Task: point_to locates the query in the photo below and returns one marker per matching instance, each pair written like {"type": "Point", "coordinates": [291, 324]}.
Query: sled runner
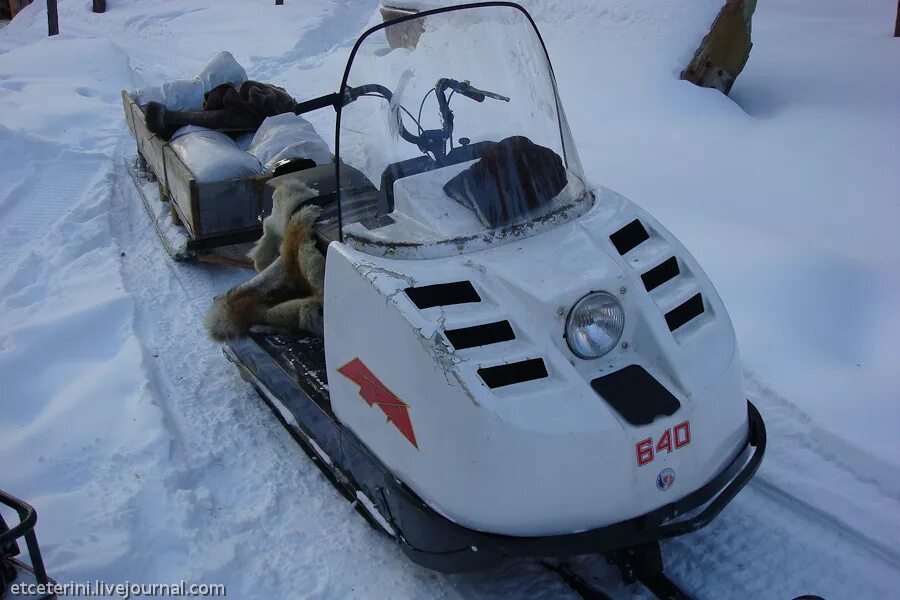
{"type": "Point", "coordinates": [14, 571]}
{"type": "Point", "coordinates": [515, 363]}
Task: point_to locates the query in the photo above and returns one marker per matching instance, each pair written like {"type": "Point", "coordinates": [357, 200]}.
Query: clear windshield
{"type": "Point", "coordinates": [454, 137]}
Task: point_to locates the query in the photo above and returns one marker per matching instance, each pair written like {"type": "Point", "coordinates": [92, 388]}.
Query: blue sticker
{"type": "Point", "coordinates": [665, 479]}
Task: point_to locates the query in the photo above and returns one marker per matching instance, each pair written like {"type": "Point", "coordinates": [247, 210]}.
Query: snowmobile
{"type": "Point", "coordinates": [515, 363]}
{"type": "Point", "coordinates": [18, 579]}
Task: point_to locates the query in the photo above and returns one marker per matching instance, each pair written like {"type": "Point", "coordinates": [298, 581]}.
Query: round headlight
{"type": "Point", "coordinates": [595, 325]}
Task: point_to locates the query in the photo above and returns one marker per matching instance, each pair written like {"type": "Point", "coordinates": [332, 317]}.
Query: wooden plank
{"type": "Point", "coordinates": [149, 145]}
{"type": "Point", "coordinates": [230, 204]}
{"type": "Point", "coordinates": [218, 259]}
{"type": "Point", "coordinates": [897, 22]}
{"type": "Point", "coordinates": [182, 190]}
{"type": "Point", "coordinates": [126, 106]}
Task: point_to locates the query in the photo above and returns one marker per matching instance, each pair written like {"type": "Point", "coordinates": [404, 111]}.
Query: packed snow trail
{"type": "Point", "coordinates": [148, 458]}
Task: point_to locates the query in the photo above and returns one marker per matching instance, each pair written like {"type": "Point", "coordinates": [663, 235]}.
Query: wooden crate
{"type": "Point", "coordinates": [213, 212]}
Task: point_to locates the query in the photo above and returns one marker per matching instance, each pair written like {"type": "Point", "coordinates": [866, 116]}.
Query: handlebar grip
{"type": "Point", "coordinates": [473, 94]}
{"type": "Point", "coordinates": [317, 103]}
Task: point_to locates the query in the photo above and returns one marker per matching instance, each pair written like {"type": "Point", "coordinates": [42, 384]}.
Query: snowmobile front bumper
{"type": "Point", "coordinates": [290, 376]}
{"type": "Point", "coordinates": [694, 511]}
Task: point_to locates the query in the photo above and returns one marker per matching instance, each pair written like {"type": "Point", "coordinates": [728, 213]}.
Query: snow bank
{"type": "Point", "coordinates": [61, 88]}
{"type": "Point", "coordinates": [75, 406]}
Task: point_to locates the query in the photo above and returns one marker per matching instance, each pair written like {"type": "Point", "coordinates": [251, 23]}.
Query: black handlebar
{"type": "Point", "coordinates": [466, 89]}
{"type": "Point", "coordinates": [317, 103]}
{"type": "Point", "coordinates": [433, 140]}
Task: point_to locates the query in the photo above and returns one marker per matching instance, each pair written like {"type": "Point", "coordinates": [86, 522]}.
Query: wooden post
{"type": "Point", "coordinates": [52, 17]}
{"type": "Point", "coordinates": [897, 23]}
{"type": "Point", "coordinates": [279, 2]}
{"type": "Point", "coordinates": [99, 6]}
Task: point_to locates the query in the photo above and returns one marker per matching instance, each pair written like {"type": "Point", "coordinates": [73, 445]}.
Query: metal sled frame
{"type": "Point", "coordinates": [288, 372]}
{"type": "Point", "coordinates": [36, 573]}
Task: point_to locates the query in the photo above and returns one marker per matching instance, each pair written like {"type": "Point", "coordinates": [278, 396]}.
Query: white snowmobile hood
{"type": "Point", "coordinates": [473, 448]}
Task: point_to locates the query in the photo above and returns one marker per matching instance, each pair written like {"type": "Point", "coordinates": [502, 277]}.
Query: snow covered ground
{"type": "Point", "coordinates": [147, 457]}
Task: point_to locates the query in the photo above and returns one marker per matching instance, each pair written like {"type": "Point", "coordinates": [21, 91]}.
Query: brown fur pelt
{"type": "Point", "coordinates": [287, 290]}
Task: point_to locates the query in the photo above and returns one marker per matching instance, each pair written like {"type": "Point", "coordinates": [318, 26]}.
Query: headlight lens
{"type": "Point", "coordinates": [595, 325]}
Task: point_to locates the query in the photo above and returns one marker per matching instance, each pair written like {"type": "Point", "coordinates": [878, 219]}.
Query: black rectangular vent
{"type": "Point", "coordinates": [629, 237]}
{"type": "Point", "coordinates": [636, 395]}
{"type": "Point", "coordinates": [678, 316]}
{"type": "Point", "coordinates": [480, 335]}
{"type": "Point", "coordinates": [518, 372]}
{"type": "Point", "coordinates": [660, 274]}
{"type": "Point", "coordinates": [443, 294]}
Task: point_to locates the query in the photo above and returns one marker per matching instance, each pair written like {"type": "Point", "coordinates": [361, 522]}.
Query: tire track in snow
{"type": "Point", "coordinates": [766, 547]}
{"type": "Point", "coordinates": [32, 207]}
{"type": "Point", "coordinates": [801, 473]}
{"type": "Point", "coordinates": [826, 519]}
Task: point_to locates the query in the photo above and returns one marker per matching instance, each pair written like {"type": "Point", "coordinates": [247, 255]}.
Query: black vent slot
{"type": "Point", "coordinates": [636, 395]}
{"type": "Point", "coordinates": [501, 375]}
{"type": "Point", "coordinates": [629, 237]}
{"type": "Point", "coordinates": [660, 274]}
{"type": "Point", "coordinates": [443, 294]}
{"type": "Point", "coordinates": [678, 316]}
{"type": "Point", "coordinates": [480, 335]}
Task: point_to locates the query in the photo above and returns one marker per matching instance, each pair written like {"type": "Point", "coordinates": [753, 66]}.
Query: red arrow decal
{"type": "Point", "coordinates": [375, 392]}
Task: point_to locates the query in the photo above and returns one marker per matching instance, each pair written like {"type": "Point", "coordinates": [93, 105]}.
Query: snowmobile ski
{"type": "Point", "coordinates": [657, 584]}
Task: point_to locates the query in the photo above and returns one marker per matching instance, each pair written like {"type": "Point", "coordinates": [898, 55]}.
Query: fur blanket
{"type": "Point", "coordinates": [287, 290]}
{"type": "Point", "coordinates": [225, 107]}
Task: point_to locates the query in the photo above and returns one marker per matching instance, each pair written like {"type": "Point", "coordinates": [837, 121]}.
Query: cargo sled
{"type": "Point", "coordinates": [192, 218]}
{"type": "Point", "coordinates": [515, 363]}
{"type": "Point", "coordinates": [204, 189]}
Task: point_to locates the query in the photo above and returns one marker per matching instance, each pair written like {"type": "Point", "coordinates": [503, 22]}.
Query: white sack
{"type": "Point", "coordinates": [187, 94]}
{"type": "Point", "coordinates": [222, 68]}
{"type": "Point", "coordinates": [244, 140]}
{"type": "Point", "coordinates": [288, 136]}
{"type": "Point", "coordinates": [212, 155]}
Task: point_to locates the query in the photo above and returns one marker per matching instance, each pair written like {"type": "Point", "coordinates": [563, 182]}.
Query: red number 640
{"type": "Point", "coordinates": [672, 439]}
